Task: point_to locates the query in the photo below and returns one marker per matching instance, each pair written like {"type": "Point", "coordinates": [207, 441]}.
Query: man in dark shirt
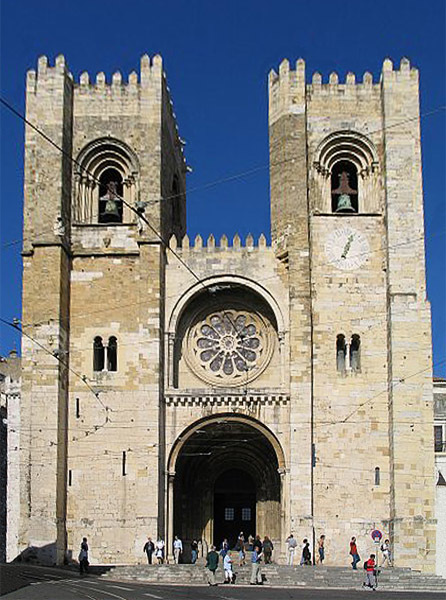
{"type": "Point", "coordinates": [149, 548]}
{"type": "Point", "coordinates": [211, 565]}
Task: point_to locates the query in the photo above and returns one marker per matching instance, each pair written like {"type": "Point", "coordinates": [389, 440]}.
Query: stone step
{"type": "Point", "coordinates": [324, 577]}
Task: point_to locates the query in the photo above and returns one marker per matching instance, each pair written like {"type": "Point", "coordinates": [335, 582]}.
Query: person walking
{"type": "Point", "coordinates": [267, 549]}
{"type": "Point", "coordinates": [306, 553]}
{"type": "Point", "coordinates": [240, 546]}
{"type": "Point", "coordinates": [83, 557]}
{"type": "Point", "coordinates": [370, 567]}
{"type": "Point", "coordinates": [224, 547]}
{"type": "Point", "coordinates": [149, 548]}
{"type": "Point", "coordinates": [258, 542]}
{"type": "Point", "coordinates": [227, 566]}
{"type": "Point", "coordinates": [159, 551]}
{"type": "Point", "coordinates": [194, 551]}
{"type": "Point", "coordinates": [321, 549]}
{"type": "Point", "coordinates": [256, 575]}
{"type": "Point", "coordinates": [387, 555]}
{"type": "Point", "coordinates": [292, 545]}
{"type": "Point", "coordinates": [177, 549]}
{"type": "Point", "coordinates": [354, 553]}
{"type": "Point", "coordinates": [302, 556]}
{"type": "Point", "coordinates": [211, 565]}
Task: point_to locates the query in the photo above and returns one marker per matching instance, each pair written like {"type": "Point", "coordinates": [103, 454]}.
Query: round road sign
{"type": "Point", "coordinates": [376, 535]}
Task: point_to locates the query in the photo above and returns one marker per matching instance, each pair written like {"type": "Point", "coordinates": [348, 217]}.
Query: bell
{"type": "Point", "coordinates": [111, 211]}
{"type": "Point", "coordinates": [344, 204]}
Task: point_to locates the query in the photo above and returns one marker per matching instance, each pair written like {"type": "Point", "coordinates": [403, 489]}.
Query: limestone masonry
{"type": "Point", "coordinates": [203, 388]}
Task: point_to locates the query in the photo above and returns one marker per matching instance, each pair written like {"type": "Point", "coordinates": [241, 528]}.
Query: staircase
{"type": "Point", "coordinates": [395, 579]}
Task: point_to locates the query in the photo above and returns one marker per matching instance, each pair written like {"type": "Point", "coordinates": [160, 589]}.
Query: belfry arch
{"type": "Point", "coordinates": [225, 476]}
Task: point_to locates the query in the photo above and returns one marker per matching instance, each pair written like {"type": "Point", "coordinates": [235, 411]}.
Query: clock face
{"type": "Point", "coordinates": [346, 248]}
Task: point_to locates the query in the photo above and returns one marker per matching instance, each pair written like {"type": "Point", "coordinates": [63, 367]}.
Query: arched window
{"type": "Point", "coordinates": [100, 164]}
{"type": "Point", "coordinates": [112, 354]}
{"type": "Point", "coordinates": [377, 476]}
{"type": "Point", "coordinates": [355, 353]}
{"type": "Point", "coordinates": [98, 354]}
{"type": "Point", "coordinates": [341, 351]}
{"type": "Point", "coordinates": [344, 187]}
{"type": "Point", "coordinates": [110, 194]}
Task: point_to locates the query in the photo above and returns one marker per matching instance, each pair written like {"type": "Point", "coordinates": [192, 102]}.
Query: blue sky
{"type": "Point", "coordinates": [217, 56]}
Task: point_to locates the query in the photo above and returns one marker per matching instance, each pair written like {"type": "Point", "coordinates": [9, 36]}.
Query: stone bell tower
{"type": "Point", "coordinates": [347, 218]}
{"type": "Point", "coordinates": [87, 253]}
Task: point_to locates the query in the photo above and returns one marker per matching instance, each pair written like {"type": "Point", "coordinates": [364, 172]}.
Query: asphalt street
{"type": "Point", "coordinates": [39, 583]}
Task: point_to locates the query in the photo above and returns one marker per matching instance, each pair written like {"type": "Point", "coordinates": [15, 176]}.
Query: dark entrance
{"type": "Point", "coordinates": [234, 506]}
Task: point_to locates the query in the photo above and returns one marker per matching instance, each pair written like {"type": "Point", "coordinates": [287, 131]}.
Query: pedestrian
{"type": "Point", "coordinates": [258, 542]}
{"type": "Point", "coordinates": [256, 575]}
{"type": "Point", "coordinates": [354, 553]}
{"type": "Point", "coordinates": [211, 565]}
{"type": "Point", "coordinates": [267, 550]}
{"type": "Point", "coordinates": [302, 556]}
{"type": "Point", "coordinates": [159, 551]}
{"type": "Point", "coordinates": [387, 555]}
{"type": "Point", "coordinates": [177, 549]}
{"type": "Point", "coordinates": [149, 548]}
{"type": "Point", "coordinates": [370, 566]}
{"type": "Point", "coordinates": [227, 566]}
{"type": "Point", "coordinates": [83, 557]}
{"type": "Point", "coordinates": [194, 551]}
{"type": "Point", "coordinates": [240, 546]}
{"type": "Point", "coordinates": [250, 543]}
{"type": "Point", "coordinates": [321, 549]}
{"type": "Point", "coordinates": [292, 544]}
{"type": "Point", "coordinates": [306, 554]}
{"type": "Point", "coordinates": [224, 547]}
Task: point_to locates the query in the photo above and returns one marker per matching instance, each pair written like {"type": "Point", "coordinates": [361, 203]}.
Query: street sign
{"type": "Point", "coordinates": [376, 536]}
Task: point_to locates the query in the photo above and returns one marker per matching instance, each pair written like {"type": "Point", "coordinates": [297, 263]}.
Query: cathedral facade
{"type": "Point", "coordinates": [175, 386]}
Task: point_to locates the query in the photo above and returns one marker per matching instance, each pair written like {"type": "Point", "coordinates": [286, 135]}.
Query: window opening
{"type": "Point", "coordinates": [229, 514]}
{"type": "Point", "coordinates": [110, 192]}
{"type": "Point", "coordinates": [70, 477]}
{"type": "Point", "coordinates": [112, 354]}
{"type": "Point", "coordinates": [355, 353]}
{"type": "Point", "coordinates": [98, 354]}
{"type": "Point", "coordinates": [78, 411]}
{"type": "Point", "coordinates": [344, 187]}
{"type": "Point", "coordinates": [377, 476]}
{"type": "Point", "coordinates": [440, 438]}
{"type": "Point", "coordinates": [341, 351]}
{"type": "Point", "coordinates": [246, 514]}
{"type": "Point", "coordinates": [176, 203]}
{"type": "Point", "coordinates": [124, 463]}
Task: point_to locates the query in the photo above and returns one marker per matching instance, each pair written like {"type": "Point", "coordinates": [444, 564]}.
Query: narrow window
{"type": "Point", "coordinates": [176, 203]}
{"type": "Point", "coordinates": [355, 353]}
{"type": "Point", "coordinates": [344, 187]}
{"type": "Point", "coordinates": [124, 463]}
{"type": "Point", "coordinates": [246, 514]}
{"type": "Point", "coordinates": [98, 354]}
{"type": "Point", "coordinates": [110, 194]}
{"type": "Point", "coordinates": [341, 350]}
{"type": "Point", "coordinates": [70, 477]}
{"type": "Point", "coordinates": [78, 410]}
{"type": "Point", "coordinates": [112, 354]}
{"type": "Point", "coordinates": [440, 445]}
{"type": "Point", "coordinates": [377, 476]}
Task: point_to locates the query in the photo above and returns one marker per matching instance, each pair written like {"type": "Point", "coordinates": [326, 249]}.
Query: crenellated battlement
{"type": "Point", "coordinates": [196, 245]}
{"type": "Point", "coordinates": [287, 88]}
{"type": "Point", "coordinates": [151, 70]}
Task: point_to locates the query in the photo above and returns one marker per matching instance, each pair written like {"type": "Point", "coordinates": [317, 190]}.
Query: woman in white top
{"type": "Point", "coordinates": [159, 551]}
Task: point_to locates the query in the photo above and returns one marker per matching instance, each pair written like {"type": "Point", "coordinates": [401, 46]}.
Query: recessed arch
{"type": "Point", "coordinates": [231, 418]}
{"type": "Point", "coordinates": [223, 280]}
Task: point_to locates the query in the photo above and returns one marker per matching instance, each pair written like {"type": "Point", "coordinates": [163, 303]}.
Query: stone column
{"type": "Point", "coordinates": [170, 514]}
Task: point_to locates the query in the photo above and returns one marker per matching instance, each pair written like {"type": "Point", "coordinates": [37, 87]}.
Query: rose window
{"type": "Point", "coordinates": [229, 346]}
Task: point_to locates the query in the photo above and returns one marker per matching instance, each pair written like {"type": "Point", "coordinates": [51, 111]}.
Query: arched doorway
{"type": "Point", "coordinates": [226, 480]}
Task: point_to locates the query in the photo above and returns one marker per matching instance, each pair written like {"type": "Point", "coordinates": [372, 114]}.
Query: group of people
{"type": "Point", "coordinates": [305, 558]}
{"type": "Point", "coordinates": [259, 551]}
